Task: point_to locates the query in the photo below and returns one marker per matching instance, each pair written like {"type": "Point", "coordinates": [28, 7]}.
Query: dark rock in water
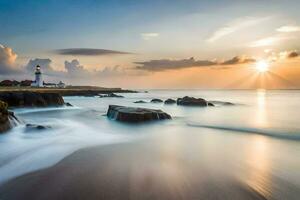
{"type": "Point", "coordinates": [156, 101]}
{"type": "Point", "coordinates": [222, 103]}
{"type": "Point", "coordinates": [140, 101]}
{"type": "Point", "coordinates": [31, 99]}
{"type": "Point", "coordinates": [36, 127]}
{"type": "Point", "coordinates": [170, 101]}
{"type": "Point", "coordinates": [68, 104]}
{"type": "Point", "coordinates": [7, 118]}
{"type": "Point", "coordinates": [191, 101]}
{"type": "Point", "coordinates": [133, 114]}
{"type": "Point", "coordinates": [110, 95]}
{"type": "Point", "coordinates": [210, 104]}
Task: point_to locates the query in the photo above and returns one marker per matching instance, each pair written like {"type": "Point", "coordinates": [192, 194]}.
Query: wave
{"type": "Point", "coordinates": [42, 149]}
{"type": "Point", "coordinates": [36, 110]}
{"type": "Point", "coordinates": [251, 130]}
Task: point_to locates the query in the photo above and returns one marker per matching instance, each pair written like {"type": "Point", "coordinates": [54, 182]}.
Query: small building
{"type": "Point", "coordinates": [38, 82]}
{"type": "Point", "coordinates": [6, 83]}
{"type": "Point", "coordinates": [61, 84]}
{"type": "Point", "coordinates": [9, 83]}
{"type": "Point", "coordinates": [26, 83]}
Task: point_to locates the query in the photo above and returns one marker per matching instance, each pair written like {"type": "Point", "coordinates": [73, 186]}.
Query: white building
{"type": "Point", "coordinates": [38, 82]}
{"type": "Point", "coordinates": [61, 85]}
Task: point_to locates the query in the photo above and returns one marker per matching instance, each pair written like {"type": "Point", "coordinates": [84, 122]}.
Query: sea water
{"type": "Point", "coordinates": [257, 139]}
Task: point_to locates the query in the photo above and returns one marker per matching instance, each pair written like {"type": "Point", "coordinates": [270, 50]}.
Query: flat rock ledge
{"type": "Point", "coordinates": [110, 95]}
{"type": "Point", "coordinates": [191, 101]}
{"type": "Point", "coordinates": [134, 114]}
{"type": "Point", "coordinates": [31, 99]}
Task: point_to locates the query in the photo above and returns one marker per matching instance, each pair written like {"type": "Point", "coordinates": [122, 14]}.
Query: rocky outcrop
{"type": "Point", "coordinates": [133, 114]}
{"type": "Point", "coordinates": [170, 101]}
{"type": "Point", "coordinates": [31, 99]}
{"type": "Point", "coordinates": [222, 103]}
{"type": "Point", "coordinates": [140, 101]}
{"type": "Point", "coordinates": [191, 101]}
{"type": "Point", "coordinates": [68, 104]}
{"type": "Point", "coordinates": [30, 127]}
{"type": "Point", "coordinates": [110, 95]}
{"type": "Point", "coordinates": [156, 101]}
{"type": "Point", "coordinates": [7, 118]}
{"type": "Point", "coordinates": [91, 93]}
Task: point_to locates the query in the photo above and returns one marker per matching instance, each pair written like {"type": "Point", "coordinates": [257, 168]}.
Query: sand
{"type": "Point", "coordinates": [136, 170]}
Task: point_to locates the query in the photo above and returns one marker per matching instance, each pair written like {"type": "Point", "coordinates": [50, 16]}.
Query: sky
{"type": "Point", "coordinates": [178, 44]}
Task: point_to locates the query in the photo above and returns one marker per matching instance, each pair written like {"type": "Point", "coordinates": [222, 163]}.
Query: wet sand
{"type": "Point", "coordinates": [136, 170]}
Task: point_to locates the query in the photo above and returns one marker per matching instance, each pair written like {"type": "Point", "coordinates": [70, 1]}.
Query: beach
{"type": "Point", "coordinates": [220, 152]}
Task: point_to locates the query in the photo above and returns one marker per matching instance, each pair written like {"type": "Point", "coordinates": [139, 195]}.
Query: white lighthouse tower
{"type": "Point", "coordinates": [38, 77]}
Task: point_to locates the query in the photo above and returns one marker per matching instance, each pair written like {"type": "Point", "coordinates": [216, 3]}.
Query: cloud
{"type": "Point", "coordinates": [235, 26]}
{"type": "Point", "coordinates": [75, 69]}
{"type": "Point", "coordinates": [88, 52]}
{"type": "Point", "coordinates": [288, 29]}
{"type": "Point", "coordinates": [238, 60]}
{"type": "Point", "coordinates": [167, 64]}
{"type": "Point", "coordinates": [45, 64]}
{"type": "Point", "coordinates": [149, 36]}
{"type": "Point", "coordinates": [293, 54]}
{"type": "Point", "coordinates": [288, 54]}
{"type": "Point", "coordinates": [269, 41]}
{"type": "Point", "coordinates": [7, 60]}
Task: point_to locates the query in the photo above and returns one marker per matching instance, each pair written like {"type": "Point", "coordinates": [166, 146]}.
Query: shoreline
{"type": "Point", "coordinates": [71, 91]}
{"type": "Point", "coordinates": [133, 170]}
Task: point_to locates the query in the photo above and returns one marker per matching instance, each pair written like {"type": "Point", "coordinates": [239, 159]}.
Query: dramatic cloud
{"type": "Point", "coordinates": [235, 26]}
{"type": "Point", "coordinates": [88, 52]}
{"type": "Point", "coordinates": [149, 36]}
{"type": "Point", "coordinates": [73, 71]}
{"type": "Point", "coordinates": [167, 64]}
{"type": "Point", "coordinates": [7, 60]}
{"type": "Point", "coordinates": [288, 29]}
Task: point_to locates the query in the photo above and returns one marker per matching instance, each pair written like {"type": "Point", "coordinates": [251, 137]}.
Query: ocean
{"type": "Point", "coordinates": [256, 140]}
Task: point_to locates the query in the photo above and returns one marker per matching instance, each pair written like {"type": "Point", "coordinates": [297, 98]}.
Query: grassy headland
{"type": "Point", "coordinates": [68, 91]}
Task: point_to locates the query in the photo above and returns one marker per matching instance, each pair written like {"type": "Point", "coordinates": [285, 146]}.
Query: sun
{"type": "Point", "coordinates": [262, 66]}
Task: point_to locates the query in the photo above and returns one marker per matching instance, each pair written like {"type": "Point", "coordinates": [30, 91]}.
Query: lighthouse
{"type": "Point", "coordinates": [38, 77]}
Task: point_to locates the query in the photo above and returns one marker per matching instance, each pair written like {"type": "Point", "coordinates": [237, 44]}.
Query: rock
{"type": "Point", "coordinates": [110, 95]}
{"type": "Point", "coordinates": [31, 99]}
{"type": "Point", "coordinates": [68, 104]}
{"type": "Point", "coordinates": [156, 101]}
{"type": "Point", "coordinates": [170, 101]}
{"type": "Point", "coordinates": [7, 118]}
{"type": "Point", "coordinates": [191, 101]}
{"type": "Point", "coordinates": [222, 103]}
{"type": "Point", "coordinates": [36, 127]}
{"type": "Point", "coordinates": [140, 101]}
{"type": "Point", "coordinates": [133, 114]}
{"type": "Point", "coordinates": [210, 104]}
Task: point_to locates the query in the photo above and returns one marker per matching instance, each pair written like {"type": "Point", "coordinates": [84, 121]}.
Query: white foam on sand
{"type": "Point", "coordinates": [24, 151]}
